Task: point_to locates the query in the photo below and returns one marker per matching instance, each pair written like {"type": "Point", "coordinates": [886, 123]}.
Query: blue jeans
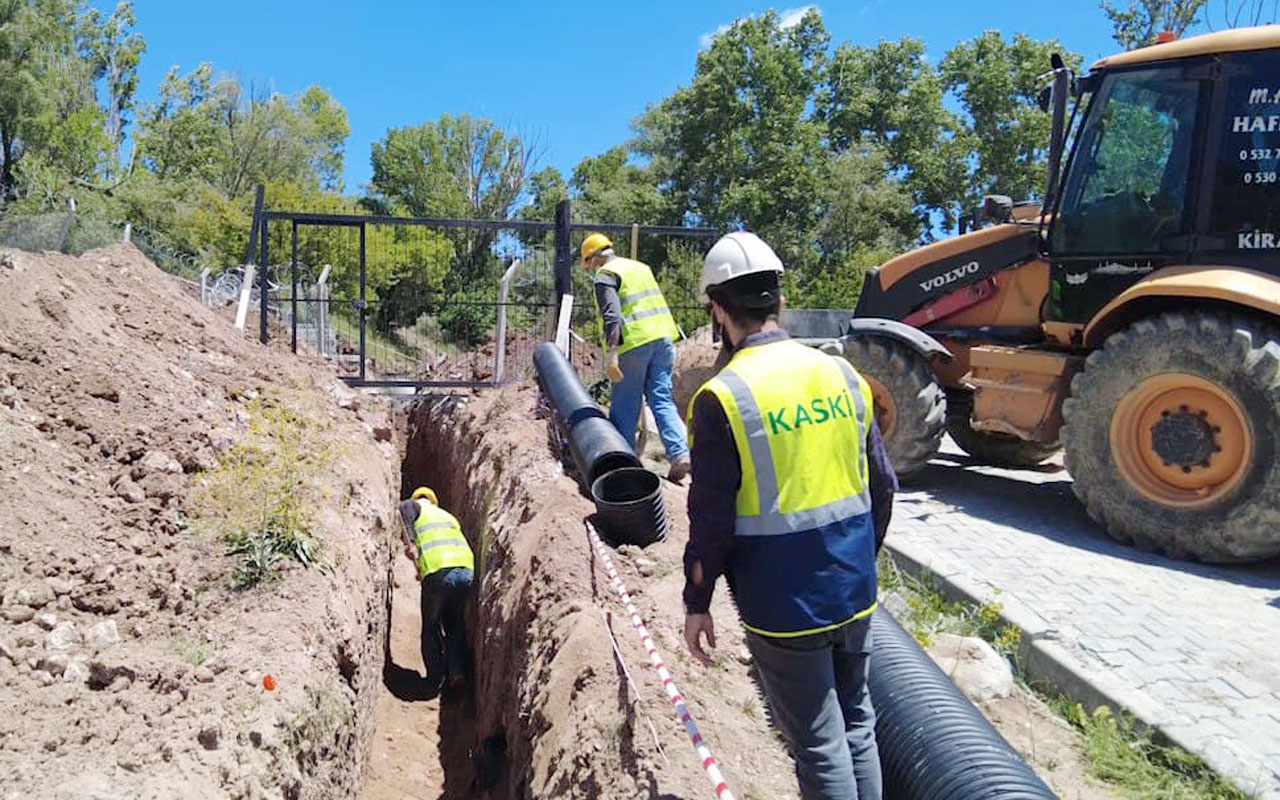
{"type": "Point", "coordinates": [646, 371]}
{"type": "Point", "coordinates": [817, 691]}
{"type": "Point", "coordinates": [444, 628]}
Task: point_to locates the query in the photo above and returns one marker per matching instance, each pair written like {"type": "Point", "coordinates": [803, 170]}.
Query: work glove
{"type": "Point", "coordinates": [613, 370]}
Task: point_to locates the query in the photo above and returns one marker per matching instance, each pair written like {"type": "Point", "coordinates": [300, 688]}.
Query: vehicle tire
{"type": "Point", "coordinates": [1172, 436]}
{"type": "Point", "coordinates": [911, 408]}
{"type": "Point", "coordinates": [999, 449]}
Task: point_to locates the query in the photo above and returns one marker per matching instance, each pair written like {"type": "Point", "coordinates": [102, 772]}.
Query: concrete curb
{"type": "Point", "coordinates": [1045, 661]}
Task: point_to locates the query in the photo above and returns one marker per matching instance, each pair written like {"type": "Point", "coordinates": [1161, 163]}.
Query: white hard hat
{"type": "Point", "coordinates": [734, 255]}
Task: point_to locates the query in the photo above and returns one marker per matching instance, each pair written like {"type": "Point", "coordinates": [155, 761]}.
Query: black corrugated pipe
{"type": "Point", "coordinates": [628, 498]}
{"type": "Point", "coordinates": [629, 507]}
{"type": "Point", "coordinates": [563, 387]}
{"type": "Point", "coordinates": [596, 445]}
{"type": "Point", "coordinates": [934, 744]}
{"type": "Point", "coordinates": [598, 449]}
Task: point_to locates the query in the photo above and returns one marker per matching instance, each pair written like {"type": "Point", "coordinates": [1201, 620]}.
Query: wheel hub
{"type": "Point", "coordinates": [1181, 440]}
{"type": "Point", "coordinates": [1184, 438]}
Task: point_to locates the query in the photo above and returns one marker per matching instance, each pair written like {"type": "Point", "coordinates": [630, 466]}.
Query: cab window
{"type": "Point", "coordinates": [1127, 190]}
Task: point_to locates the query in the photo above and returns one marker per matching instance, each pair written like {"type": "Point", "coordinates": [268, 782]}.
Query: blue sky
{"type": "Point", "coordinates": [573, 73]}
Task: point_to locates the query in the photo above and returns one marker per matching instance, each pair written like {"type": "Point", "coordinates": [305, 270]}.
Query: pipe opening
{"type": "Point", "coordinates": [629, 507]}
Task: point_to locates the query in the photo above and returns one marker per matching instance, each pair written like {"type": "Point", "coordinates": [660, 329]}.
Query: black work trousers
{"type": "Point", "coordinates": [444, 628]}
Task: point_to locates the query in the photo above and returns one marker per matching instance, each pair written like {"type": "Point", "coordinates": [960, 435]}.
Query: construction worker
{"type": "Point", "coordinates": [638, 335]}
{"type": "Point", "coordinates": [791, 494]}
{"type": "Point", "coordinates": [446, 567]}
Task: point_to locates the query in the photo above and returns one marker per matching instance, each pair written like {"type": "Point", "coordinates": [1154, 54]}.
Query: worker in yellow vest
{"type": "Point", "coordinates": [791, 495]}
{"type": "Point", "coordinates": [446, 568]}
{"type": "Point", "coordinates": [639, 333]}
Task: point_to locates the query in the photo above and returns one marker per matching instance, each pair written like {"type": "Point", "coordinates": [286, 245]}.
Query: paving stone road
{"type": "Point", "coordinates": [1190, 649]}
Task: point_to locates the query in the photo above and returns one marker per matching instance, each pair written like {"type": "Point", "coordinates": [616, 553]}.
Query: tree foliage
{"type": "Point", "coordinates": [453, 167]}
{"type": "Point", "coordinates": [233, 137]}
{"type": "Point", "coordinates": [1005, 134]}
{"type": "Point", "coordinates": [740, 144]}
{"type": "Point", "coordinates": [1137, 23]}
{"type": "Point", "coordinates": [114, 50]}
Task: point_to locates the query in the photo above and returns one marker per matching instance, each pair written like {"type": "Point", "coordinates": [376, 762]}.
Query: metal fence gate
{"type": "Point", "coordinates": [436, 303]}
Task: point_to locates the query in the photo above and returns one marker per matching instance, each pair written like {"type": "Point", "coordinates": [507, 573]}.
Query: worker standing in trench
{"type": "Point", "coordinates": [446, 567]}
{"type": "Point", "coordinates": [791, 496]}
{"type": "Point", "coordinates": [639, 336]}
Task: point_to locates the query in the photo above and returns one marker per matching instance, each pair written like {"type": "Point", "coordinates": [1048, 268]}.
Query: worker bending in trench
{"type": "Point", "coordinates": [639, 333]}
{"type": "Point", "coordinates": [446, 567]}
{"type": "Point", "coordinates": [791, 496]}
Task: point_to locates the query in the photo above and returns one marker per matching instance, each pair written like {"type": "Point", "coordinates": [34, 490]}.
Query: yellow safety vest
{"type": "Point", "coordinates": [439, 540]}
{"type": "Point", "coordinates": [645, 316]}
{"type": "Point", "coordinates": [804, 542]}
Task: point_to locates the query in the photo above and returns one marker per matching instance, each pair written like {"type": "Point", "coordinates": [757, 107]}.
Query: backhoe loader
{"type": "Point", "coordinates": [1132, 317]}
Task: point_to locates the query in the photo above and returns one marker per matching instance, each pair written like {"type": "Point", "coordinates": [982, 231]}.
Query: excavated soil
{"type": "Point", "coordinates": [554, 713]}
{"type": "Point", "coordinates": [129, 665]}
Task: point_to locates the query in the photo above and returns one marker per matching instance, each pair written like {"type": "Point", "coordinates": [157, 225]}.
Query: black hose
{"type": "Point", "coordinates": [934, 744]}
{"type": "Point", "coordinates": [562, 386]}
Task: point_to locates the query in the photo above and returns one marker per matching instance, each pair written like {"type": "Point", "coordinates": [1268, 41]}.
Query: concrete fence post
{"type": "Point", "coordinates": [500, 343]}
{"type": "Point", "coordinates": [322, 312]}
{"type": "Point", "coordinates": [246, 289]}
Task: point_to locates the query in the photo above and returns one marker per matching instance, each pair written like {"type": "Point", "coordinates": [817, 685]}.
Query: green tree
{"type": "Point", "coordinates": [1137, 23]}
{"type": "Point", "coordinates": [740, 144]}
{"type": "Point", "coordinates": [890, 97]}
{"type": "Point", "coordinates": [234, 137]}
{"type": "Point", "coordinates": [610, 188]}
{"type": "Point", "coordinates": [454, 167]}
{"type": "Point", "coordinates": [113, 50]}
{"type": "Point", "coordinates": [1003, 129]}
{"type": "Point", "coordinates": [47, 113]}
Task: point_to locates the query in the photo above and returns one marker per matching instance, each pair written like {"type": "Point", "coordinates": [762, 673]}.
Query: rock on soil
{"type": "Point", "coordinates": [122, 636]}
{"type": "Point", "coordinates": [973, 665]}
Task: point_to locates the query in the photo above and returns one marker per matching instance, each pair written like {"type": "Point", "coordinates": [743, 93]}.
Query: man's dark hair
{"type": "Point", "coordinates": [750, 298]}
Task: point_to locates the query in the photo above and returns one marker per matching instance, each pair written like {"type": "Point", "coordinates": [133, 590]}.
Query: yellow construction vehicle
{"type": "Point", "coordinates": [1132, 318]}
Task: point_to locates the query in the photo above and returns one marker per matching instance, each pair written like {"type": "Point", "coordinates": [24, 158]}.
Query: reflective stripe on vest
{"type": "Point", "coordinates": [804, 553]}
{"type": "Point", "coordinates": [645, 315]}
{"type": "Point", "coordinates": [439, 540]}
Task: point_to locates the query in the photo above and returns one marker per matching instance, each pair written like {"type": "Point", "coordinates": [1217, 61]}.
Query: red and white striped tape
{"type": "Point", "coordinates": [669, 685]}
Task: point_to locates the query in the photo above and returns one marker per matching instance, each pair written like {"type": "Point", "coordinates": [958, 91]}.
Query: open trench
{"type": "Point", "coordinates": [562, 701]}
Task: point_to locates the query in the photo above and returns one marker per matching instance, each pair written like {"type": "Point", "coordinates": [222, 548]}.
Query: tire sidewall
{"type": "Point", "coordinates": [1126, 364]}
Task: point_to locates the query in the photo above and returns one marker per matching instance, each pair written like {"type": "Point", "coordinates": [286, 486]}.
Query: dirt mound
{"type": "Point", "coordinates": [556, 714]}
{"type": "Point", "coordinates": [695, 363]}
{"type": "Point", "coordinates": [132, 421]}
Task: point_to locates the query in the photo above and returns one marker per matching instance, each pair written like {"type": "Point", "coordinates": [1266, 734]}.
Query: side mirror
{"type": "Point", "coordinates": [997, 208]}
{"type": "Point", "coordinates": [1044, 97]}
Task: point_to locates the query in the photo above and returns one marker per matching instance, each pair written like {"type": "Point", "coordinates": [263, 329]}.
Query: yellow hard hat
{"type": "Point", "coordinates": [594, 244]}
{"type": "Point", "coordinates": [423, 491]}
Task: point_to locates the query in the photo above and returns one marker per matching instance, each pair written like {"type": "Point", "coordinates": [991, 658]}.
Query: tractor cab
{"type": "Point", "coordinates": [1173, 163]}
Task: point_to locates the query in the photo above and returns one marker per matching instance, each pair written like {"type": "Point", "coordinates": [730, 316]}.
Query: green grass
{"type": "Point", "coordinates": [929, 612]}
{"type": "Point", "coordinates": [1125, 756]}
{"type": "Point", "coordinates": [1116, 748]}
{"type": "Point", "coordinates": [382, 348]}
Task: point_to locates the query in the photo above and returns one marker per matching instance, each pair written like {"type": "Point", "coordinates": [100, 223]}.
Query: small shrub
{"type": "Point", "coordinates": [257, 499]}
{"type": "Point", "coordinates": [467, 320]}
